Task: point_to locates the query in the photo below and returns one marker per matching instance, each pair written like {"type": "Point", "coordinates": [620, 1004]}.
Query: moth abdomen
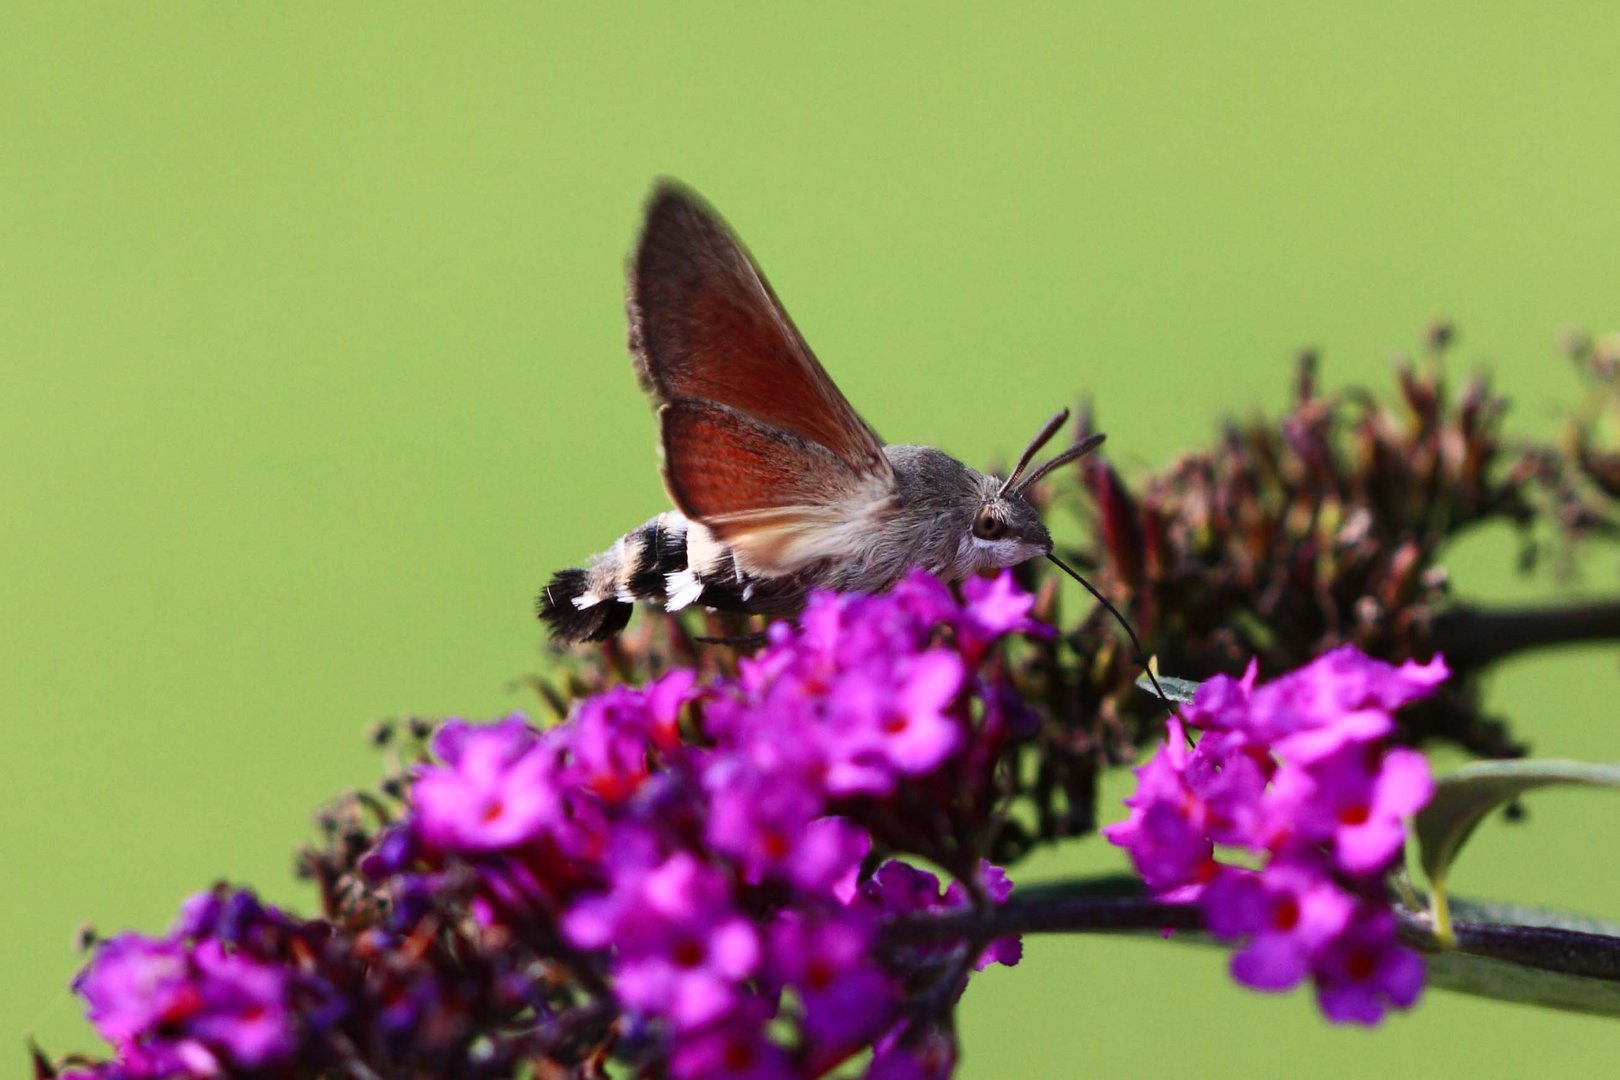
{"type": "Point", "coordinates": [595, 602]}
{"type": "Point", "coordinates": [670, 561]}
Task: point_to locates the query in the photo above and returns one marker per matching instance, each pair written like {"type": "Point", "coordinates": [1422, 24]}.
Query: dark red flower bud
{"type": "Point", "coordinates": [1119, 518]}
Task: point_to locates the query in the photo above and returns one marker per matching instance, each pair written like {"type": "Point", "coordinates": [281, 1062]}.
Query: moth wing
{"type": "Point", "coordinates": [776, 499]}
{"type": "Point", "coordinates": [705, 325]}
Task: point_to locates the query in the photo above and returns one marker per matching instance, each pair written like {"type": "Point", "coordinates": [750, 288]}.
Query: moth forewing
{"type": "Point", "coordinates": [705, 325]}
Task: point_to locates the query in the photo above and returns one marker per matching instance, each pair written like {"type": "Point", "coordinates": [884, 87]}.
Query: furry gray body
{"type": "Point", "coordinates": [927, 522]}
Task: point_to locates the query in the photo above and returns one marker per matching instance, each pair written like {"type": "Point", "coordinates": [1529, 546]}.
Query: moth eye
{"type": "Point", "coordinates": [987, 526]}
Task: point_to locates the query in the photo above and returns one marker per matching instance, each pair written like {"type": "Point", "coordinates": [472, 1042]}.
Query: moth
{"type": "Point", "coordinates": [779, 486]}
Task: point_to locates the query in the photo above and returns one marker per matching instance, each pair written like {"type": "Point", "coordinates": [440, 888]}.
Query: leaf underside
{"type": "Point", "coordinates": [1177, 690]}
{"type": "Point", "coordinates": [1463, 798]}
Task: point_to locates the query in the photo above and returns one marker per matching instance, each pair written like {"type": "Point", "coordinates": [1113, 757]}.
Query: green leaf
{"type": "Point", "coordinates": [1463, 798]}
{"type": "Point", "coordinates": [1503, 980]}
{"type": "Point", "coordinates": [1179, 690]}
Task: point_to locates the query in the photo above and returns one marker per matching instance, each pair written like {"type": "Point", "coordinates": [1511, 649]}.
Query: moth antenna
{"type": "Point", "coordinates": [1130, 631]}
{"type": "Point", "coordinates": [1078, 450]}
{"type": "Point", "coordinates": [1042, 437]}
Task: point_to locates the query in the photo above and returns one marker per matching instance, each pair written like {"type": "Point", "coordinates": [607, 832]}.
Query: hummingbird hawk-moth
{"type": "Point", "coordinates": [779, 485]}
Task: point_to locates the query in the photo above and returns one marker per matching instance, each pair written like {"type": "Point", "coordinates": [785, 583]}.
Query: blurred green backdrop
{"type": "Point", "coordinates": [311, 370]}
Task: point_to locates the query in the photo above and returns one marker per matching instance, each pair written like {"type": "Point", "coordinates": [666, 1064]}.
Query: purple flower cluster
{"type": "Point", "coordinates": [1297, 773]}
{"type": "Point", "coordinates": [694, 880]}
{"type": "Point", "coordinates": [714, 871]}
{"type": "Point", "coordinates": [208, 999]}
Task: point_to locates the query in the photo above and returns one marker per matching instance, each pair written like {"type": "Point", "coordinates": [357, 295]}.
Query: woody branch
{"type": "Point", "coordinates": [1475, 637]}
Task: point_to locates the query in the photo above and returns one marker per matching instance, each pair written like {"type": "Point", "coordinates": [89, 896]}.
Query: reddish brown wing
{"type": "Point", "coordinates": [720, 462]}
{"type": "Point", "coordinates": [778, 501]}
{"type": "Point", "coordinates": [759, 445]}
{"type": "Point", "coordinates": [705, 324]}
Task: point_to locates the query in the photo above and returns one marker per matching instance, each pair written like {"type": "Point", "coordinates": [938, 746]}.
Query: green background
{"type": "Point", "coordinates": [311, 370]}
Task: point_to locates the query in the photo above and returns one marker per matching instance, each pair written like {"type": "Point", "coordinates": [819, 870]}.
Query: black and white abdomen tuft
{"type": "Point", "coordinates": [595, 602]}
{"type": "Point", "coordinates": [668, 560]}
{"type": "Point", "coordinates": [559, 606]}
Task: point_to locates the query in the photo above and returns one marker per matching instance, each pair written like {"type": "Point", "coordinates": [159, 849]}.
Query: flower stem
{"type": "Point", "coordinates": [1093, 906]}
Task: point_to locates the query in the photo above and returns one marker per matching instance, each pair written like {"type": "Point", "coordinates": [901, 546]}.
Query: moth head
{"type": "Point", "coordinates": [1006, 529]}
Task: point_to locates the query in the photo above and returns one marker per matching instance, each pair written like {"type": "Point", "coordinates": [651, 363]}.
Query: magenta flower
{"type": "Point", "coordinates": [1288, 913]}
{"type": "Point", "coordinates": [898, 888]}
{"type": "Point", "coordinates": [1356, 800]}
{"type": "Point", "coordinates": [827, 858]}
{"type": "Point", "coordinates": [736, 1048]}
{"type": "Point", "coordinates": [886, 728]}
{"type": "Point", "coordinates": [769, 821]}
{"type": "Point", "coordinates": [996, 606]}
{"type": "Point", "coordinates": [496, 789]}
{"type": "Point", "coordinates": [847, 999]}
{"type": "Point", "coordinates": [665, 696]}
{"type": "Point", "coordinates": [135, 985]}
{"type": "Point", "coordinates": [680, 951]}
{"type": "Point", "coordinates": [758, 816]}
{"type": "Point", "coordinates": [1172, 853]}
{"type": "Point", "coordinates": [1320, 694]}
{"type": "Point", "coordinates": [611, 734]}
{"type": "Point", "coordinates": [1227, 778]}
{"type": "Point", "coordinates": [1166, 832]}
{"type": "Point", "coordinates": [245, 1008]}
{"type": "Point", "coordinates": [1366, 971]}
